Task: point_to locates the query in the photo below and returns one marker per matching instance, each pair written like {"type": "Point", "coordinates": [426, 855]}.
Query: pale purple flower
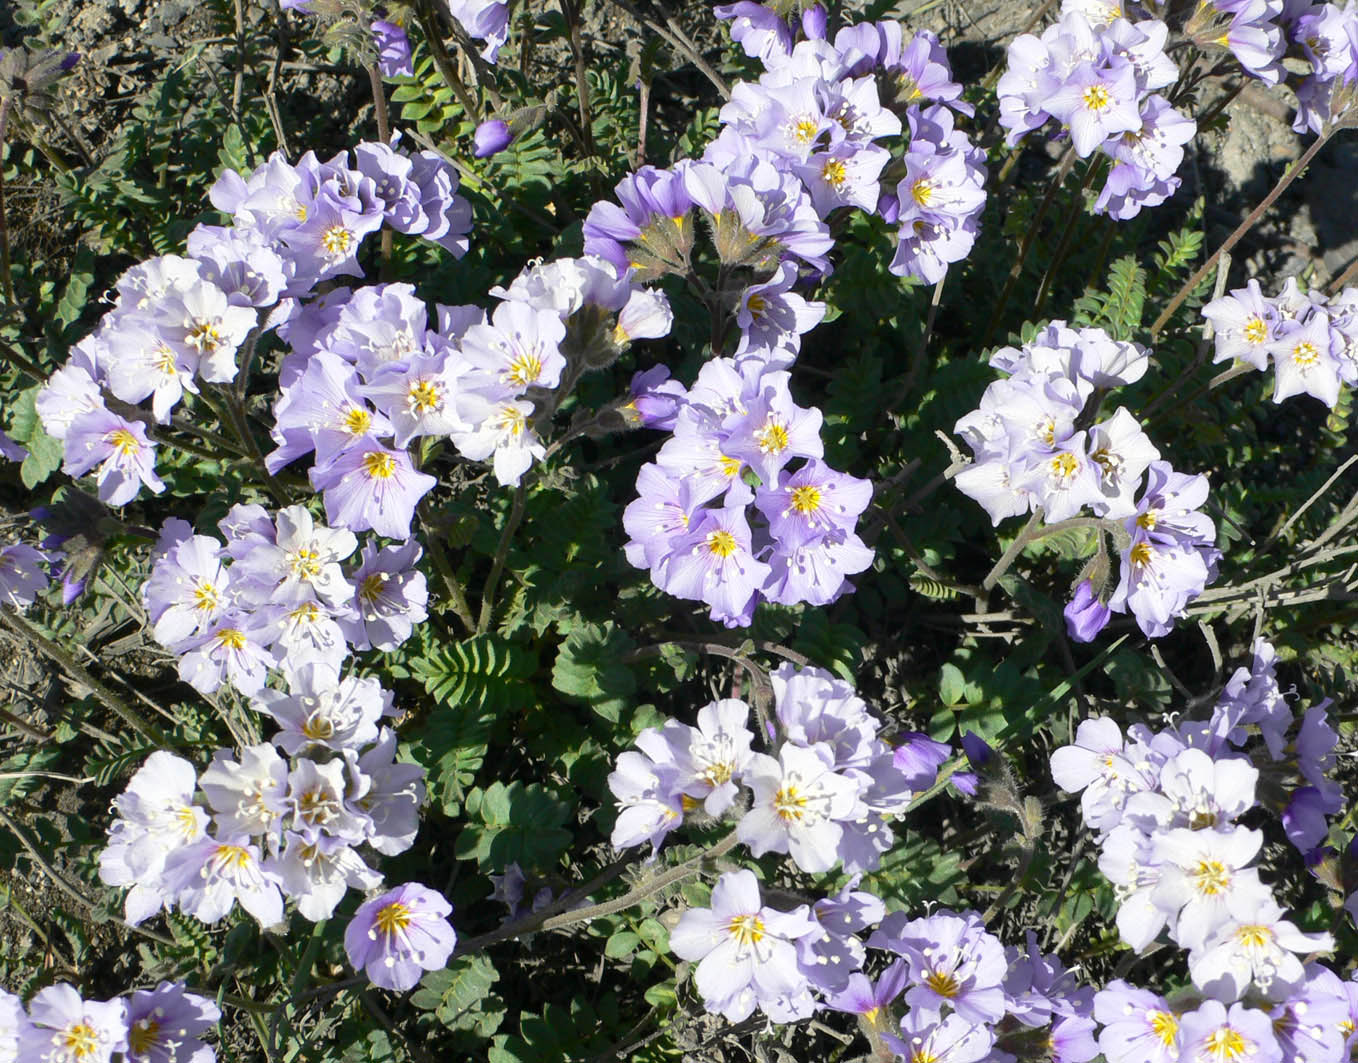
{"type": "Point", "coordinates": [323, 710]}
{"type": "Point", "coordinates": [650, 803]}
{"type": "Point", "coordinates": [486, 20]}
{"type": "Point", "coordinates": [746, 952]}
{"type": "Point", "coordinates": [1303, 359]}
{"type": "Point", "coordinates": [952, 962]}
{"type": "Point", "coordinates": [927, 1036]}
{"type": "Point", "coordinates": [1096, 103]}
{"type": "Point", "coordinates": [155, 817]}
{"type": "Point", "coordinates": [397, 936]}
{"type": "Point", "coordinates": [22, 575]}
{"type": "Point", "coordinates": [1086, 614]}
{"type": "Point", "coordinates": [316, 872]}
{"type": "Point", "coordinates": [207, 878]}
{"type": "Point", "coordinates": [1138, 1026]}
{"type": "Point", "coordinates": [1204, 878]}
{"type": "Point", "coordinates": [371, 486]}
{"type": "Point", "coordinates": [165, 1024]}
{"type": "Point", "coordinates": [388, 792]}
{"type": "Point", "coordinates": [389, 597]}
{"type": "Point", "coordinates": [393, 49]}
{"type": "Point", "coordinates": [1309, 1024]}
{"type": "Point", "coordinates": [1242, 1035]}
{"type": "Point", "coordinates": [125, 455]}
{"type": "Point", "coordinates": [713, 563]}
{"type": "Point", "coordinates": [502, 431]}
{"type": "Point", "coordinates": [656, 399]}
{"type": "Point", "coordinates": [248, 796]}
{"type": "Point", "coordinates": [798, 801]}
{"type": "Point", "coordinates": [761, 32]}
{"type": "Point", "coordinates": [1258, 948]}
{"type": "Point", "coordinates": [232, 648]}
{"type": "Point", "coordinates": [63, 1028]}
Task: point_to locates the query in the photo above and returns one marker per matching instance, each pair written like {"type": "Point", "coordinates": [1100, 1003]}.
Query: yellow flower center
{"type": "Point", "coordinates": [306, 613]}
{"type": "Point", "coordinates": [721, 543]}
{"type": "Point", "coordinates": [425, 395]}
{"type": "Point", "coordinates": [512, 421]}
{"type": "Point", "coordinates": [337, 240]}
{"type": "Point", "coordinates": [371, 587]}
{"type": "Point", "coordinates": [1064, 465]}
{"type": "Point", "coordinates": [163, 361]}
{"type": "Point", "coordinates": [204, 336]}
{"type": "Point", "coordinates": [81, 1041]}
{"type": "Point", "coordinates": [1305, 355]}
{"type": "Point", "coordinates": [1165, 1026]}
{"type": "Point", "coordinates": [1254, 935]}
{"type": "Point", "coordinates": [1140, 554]}
{"type": "Point", "coordinates": [1211, 877]}
{"type": "Point", "coordinates": [306, 564]}
{"type": "Point", "coordinates": [835, 173]}
{"type": "Point", "coordinates": [230, 638]}
{"type": "Point", "coordinates": [942, 983]}
{"type": "Point", "coordinates": [1097, 98]}
{"type": "Point", "coordinates": [746, 929]}
{"type": "Point", "coordinates": [317, 728]}
{"type": "Point", "coordinates": [231, 857]}
{"type": "Point", "coordinates": [124, 442]}
{"type": "Point", "coordinates": [1148, 520]}
{"type": "Point", "coordinates": [143, 1036]}
{"type": "Point", "coordinates": [717, 774]}
{"type": "Point", "coordinates": [379, 465]}
{"type": "Point", "coordinates": [729, 466]}
{"type": "Point", "coordinates": [356, 421]}
{"type": "Point", "coordinates": [772, 438]}
{"type": "Point", "coordinates": [1255, 330]}
{"type": "Point", "coordinates": [790, 804]}
{"type": "Point", "coordinates": [757, 304]}
{"type": "Point", "coordinates": [804, 129]}
{"type": "Point", "coordinates": [187, 818]}
{"type": "Point", "coordinates": [301, 212]}
{"type": "Point", "coordinates": [1224, 1045]}
{"type": "Point", "coordinates": [806, 500]}
{"type": "Point", "coordinates": [524, 369]}
{"type": "Point", "coordinates": [205, 597]}
{"type": "Point", "coordinates": [922, 192]}
{"type": "Point", "coordinates": [392, 917]}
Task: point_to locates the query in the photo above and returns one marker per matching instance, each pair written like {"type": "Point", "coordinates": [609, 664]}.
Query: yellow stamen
{"type": "Point", "coordinates": [1211, 877]}
{"type": "Point", "coordinates": [806, 500]}
{"type": "Point", "coordinates": [1097, 98]}
{"type": "Point", "coordinates": [721, 543]}
{"type": "Point", "coordinates": [230, 638]}
{"type": "Point", "coordinates": [392, 917]}
{"type": "Point", "coordinates": [337, 240]}
{"type": "Point", "coordinates": [746, 929]}
{"type": "Point", "coordinates": [124, 442]}
{"type": "Point", "coordinates": [379, 465]}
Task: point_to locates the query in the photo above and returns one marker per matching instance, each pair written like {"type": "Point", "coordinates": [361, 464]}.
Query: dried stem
{"type": "Point", "coordinates": [1289, 175]}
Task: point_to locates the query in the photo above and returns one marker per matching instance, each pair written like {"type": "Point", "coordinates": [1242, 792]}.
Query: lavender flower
{"type": "Point", "coordinates": [164, 1024]}
{"type": "Point", "coordinates": [371, 486]}
{"type": "Point", "coordinates": [395, 937]}
{"type": "Point", "coordinates": [22, 576]}
{"type": "Point", "coordinates": [63, 1028]}
{"type": "Point", "coordinates": [125, 455]}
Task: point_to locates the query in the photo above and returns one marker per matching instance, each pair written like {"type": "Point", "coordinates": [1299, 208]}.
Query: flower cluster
{"type": "Point", "coordinates": [691, 522]}
{"type": "Point", "coordinates": [365, 367]}
{"type": "Point", "coordinates": [1034, 452]}
{"type": "Point", "coordinates": [161, 1025]}
{"type": "Point", "coordinates": [825, 798]}
{"type": "Point", "coordinates": [275, 594]}
{"type": "Point", "coordinates": [181, 322]}
{"type": "Point", "coordinates": [966, 994]}
{"type": "Point", "coordinates": [258, 825]}
{"type": "Point", "coordinates": [1312, 339]}
{"type": "Point", "coordinates": [1166, 806]}
{"type": "Point", "coordinates": [1095, 74]}
{"type": "Point", "coordinates": [1326, 35]}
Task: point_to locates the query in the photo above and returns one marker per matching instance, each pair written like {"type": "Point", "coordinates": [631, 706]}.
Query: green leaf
{"type": "Point", "coordinates": [44, 458]}
{"type": "Point", "coordinates": [621, 945]}
{"type": "Point", "coordinates": [513, 824]}
{"type": "Point", "coordinates": [952, 684]}
{"type": "Point", "coordinates": [589, 667]}
{"type": "Point", "coordinates": [459, 996]}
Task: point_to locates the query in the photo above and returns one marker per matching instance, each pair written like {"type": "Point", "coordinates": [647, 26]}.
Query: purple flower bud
{"type": "Point", "coordinates": [1085, 614]}
{"type": "Point", "coordinates": [813, 23]}
{"type": "Point", "coordinates": [70, 61]}
{"type": "Point", "coordinates": [393, 49]}
{"type": "Point", "coordinates": [977, 749]}
{"type": "Point", "coordinates": [491, 136]}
